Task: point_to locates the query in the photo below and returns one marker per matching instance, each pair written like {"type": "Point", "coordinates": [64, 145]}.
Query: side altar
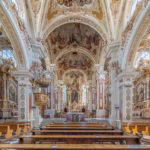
{"type": "Point", "coordinates": [75, 116]}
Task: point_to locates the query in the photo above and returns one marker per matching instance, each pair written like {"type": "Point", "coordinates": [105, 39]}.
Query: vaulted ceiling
{"type": "Point", "coordinates": [75, 60]}
{"type": "Point", "coordinates": [74, 37]}
{"type": "Point", "coordinates": [86, 27]}
{"type": "Point", "coordinates": [111, 15]}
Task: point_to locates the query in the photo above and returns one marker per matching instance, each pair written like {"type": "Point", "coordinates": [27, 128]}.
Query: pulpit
{"type": "Point", "coordinates": [75, 116]}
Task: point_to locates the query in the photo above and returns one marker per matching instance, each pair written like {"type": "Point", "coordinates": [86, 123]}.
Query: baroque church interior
{"type": "Point", "coordinates": [75, 74]}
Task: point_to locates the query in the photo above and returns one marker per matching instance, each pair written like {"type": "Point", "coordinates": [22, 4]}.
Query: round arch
{"type": "Point", "coordinates": [137, 34]}
{"type": "Point", "coordinates": [13, 33]}
{"type": "Point", "coordinates": [78, 49]}
{"type": "Point", "coordinates": [89, 21]}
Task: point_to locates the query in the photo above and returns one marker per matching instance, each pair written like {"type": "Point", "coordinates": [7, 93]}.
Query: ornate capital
{"type": "Point", "coordinates": [112, 49]}
{"type": "Point", "coordinates": [23, 77]}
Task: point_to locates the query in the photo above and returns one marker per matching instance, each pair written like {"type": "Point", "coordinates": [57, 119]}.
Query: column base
{"type": "Point", "coordinates": [5, 113]}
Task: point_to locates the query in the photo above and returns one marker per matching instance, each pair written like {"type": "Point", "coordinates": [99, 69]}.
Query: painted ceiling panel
{"type": "Point", "coordinates": [75, 60]}
{"type": "Point", "coordinates": [72, 36]}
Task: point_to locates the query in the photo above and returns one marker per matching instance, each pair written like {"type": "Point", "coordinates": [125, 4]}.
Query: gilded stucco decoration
{"type": "Point", "coordinates": [131, 23]}
{"type": "Point", "coordinates": [138, 36]}
{"type": "Point", "coordinates": [70, 3]}
{"type": "Point", "coordinates": [74, 80]}
{"type": "Point", "coordinates": [36, 5]}
{"type": "Point", "coordinates": [51, 11]}
{"type": "Point", "coordinates": [115, 6]}
{"type": "Point", "coordinates": [20, 22]}
{"type": "Point", "coordinates": [65, 8]}
{"type": "Point", "coordinates": [99, 12]}
{"type": "Point", "coordinates": [5, 43]}
{"type": "Point", "coordinates": [145, 42]}
{"type": "Point", "coordinates": [13, 37]}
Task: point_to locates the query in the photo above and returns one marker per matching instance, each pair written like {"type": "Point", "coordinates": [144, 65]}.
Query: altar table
{"type": "Point", "coordinates": [75, 116]}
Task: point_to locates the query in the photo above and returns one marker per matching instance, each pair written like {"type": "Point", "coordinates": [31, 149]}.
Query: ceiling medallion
{"type": "Point", "coordinates": [70, 3]}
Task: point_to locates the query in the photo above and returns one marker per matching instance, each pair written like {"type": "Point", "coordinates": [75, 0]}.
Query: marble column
{"type": "Point", "coordinates": [60, 96]}
{"type": "Point", "coordinates": [25, 95]}
{"type": "Point", "coordinates": [89, 96]}
{"type": "Point", "coordinates": [125, 96]}
{"type": "Point", "coordinates": [113, 58]}
{"type": "Point", "coordinates": [100, 111]}
{"type": "Point", "coordinates": [51, 104]}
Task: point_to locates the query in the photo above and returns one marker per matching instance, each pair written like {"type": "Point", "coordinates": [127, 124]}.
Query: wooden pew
{"type": "Point", "coordinates": [132, 124]}
{"type": "Point", "coordinates": [73, 147]}
{"type": "Point", "coordinates": [5, 129]}
{"type": "Point", "coordinates": [76, 128]}
{"type": "Point", "coordinates": [16, 122]}
{"type": "Point", "coordinates": [147, 131]}
{"type": "Point", "coordinates": [79, 139]}
{"type": "Point", "coordinates": [10, 130]}
{"type": "Point", "coordinates": [136, 127]}
{"type": "Point", "coordinates": [127, 129]}
{"type": "Point", "coordinates": [18, 126]}
{"type": "Point", "coordinates": [77, 132]}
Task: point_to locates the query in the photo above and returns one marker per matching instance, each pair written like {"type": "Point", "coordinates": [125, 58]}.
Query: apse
{"type": "Point", "coordinates": [75, 83]}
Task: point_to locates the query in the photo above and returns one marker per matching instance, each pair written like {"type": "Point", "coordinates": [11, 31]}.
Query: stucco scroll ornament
{"type": "Point", "coordinates": [70, 3]}
{"type": "Point", "coordinates": [13, 9]}
{"type": "Point", "coordinates": [40, 73]}
{"type": "Point", "coordinates": [116, 66]}
{"type": "Point", "coordinates": [130, 23]}
{"type": "Point", "coordinates": [144, 66]}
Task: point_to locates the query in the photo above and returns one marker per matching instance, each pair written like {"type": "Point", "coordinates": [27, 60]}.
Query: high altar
{"type": "Point", "coordinates": [75, 116]}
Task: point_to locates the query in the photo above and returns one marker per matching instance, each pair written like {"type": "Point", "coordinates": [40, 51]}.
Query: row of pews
{"type": "Point", "coordinates": [77, 136]}
{"type": "Point", "coordinates": [10, 130]}
{"type": "Point", "coordinates": [137, 127]}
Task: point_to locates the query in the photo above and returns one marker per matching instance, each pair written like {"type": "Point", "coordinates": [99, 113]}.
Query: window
{"type": "Point", "coordinates": [144, 55]}
{"type": "Point", "coordinates": [64, 94]}
{"type": "Point", "coordinates": [7, 54]}
{"type": "Point", "coordinates": [84, 94]}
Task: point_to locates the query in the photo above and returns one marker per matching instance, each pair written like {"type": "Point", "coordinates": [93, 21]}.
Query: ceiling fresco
{"type": "Point", "coordinates": [74, 35]}
{"type": "Point", "coordinates": [109, 17]}
{"type": "Point", "coordinates": [74, 80]}
{"type": "Point", "coordinates": [58, 6]}
{"type": "Point", "coordinates": [74, 60]}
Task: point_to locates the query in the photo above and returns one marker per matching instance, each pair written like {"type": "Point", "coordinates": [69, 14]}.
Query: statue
{"type": "Point", "coordinates": [74, 96]}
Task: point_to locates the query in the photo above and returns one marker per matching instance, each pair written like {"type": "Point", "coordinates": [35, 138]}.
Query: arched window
{"type": "Point", "coordinates": [7, 54]}
{"type": "Point", "coordinates": [144, 55]}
